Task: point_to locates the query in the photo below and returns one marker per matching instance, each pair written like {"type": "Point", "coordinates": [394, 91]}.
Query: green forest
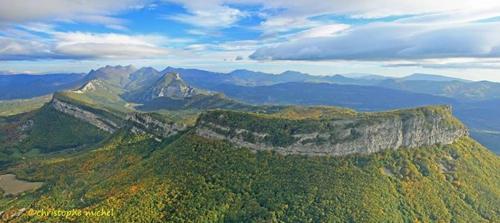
{"type": "Point", "coordinates": [194, 179]}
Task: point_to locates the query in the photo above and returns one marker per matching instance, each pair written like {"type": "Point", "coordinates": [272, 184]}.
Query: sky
{"type": "Point", "coordinates": [459, 38]}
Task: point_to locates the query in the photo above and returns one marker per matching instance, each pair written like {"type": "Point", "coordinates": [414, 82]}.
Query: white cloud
{"type": "Point", "coordinates": [321, 31]}
{"type": "Point", "coordinates": [38, 27]}
{"type": "Point", "coordinates": [91, 11]}
{"type": "Point", "coordinates": [217, 18]}
{"type": "Point", "coordinates": [109, 45]}
{"type": "Point", "coordinates": [282, 18]}
{"type": "Point", "coordinates": [231, 46]}
{"type": "Point", "coordinates": [451, 63]}
{"type": "Point", "coordinates": [275, 24]}
{"type": "Point", "coordinates": [392, 41]}
{"type": "Point", "coordinates": [197, 47]}
{"type": "Point", "coordinates": [207, 14]}
{"type": "Point", "coordinates": [78, 45]}
{"type": "Point", "coordinates": [19, 49]}
{"type": "Point", "coordinates": [374, 8]}
{"type": "Point", "coordinates": [223, 13]}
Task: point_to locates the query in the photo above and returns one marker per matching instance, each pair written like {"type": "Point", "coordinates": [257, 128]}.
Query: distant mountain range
{"type": "Point", "coordinates": [431, 77]}
{"type": "Point", "coordinates": [458, 89]}
{"type": "Point", "coordinates": [366, 98]}
{"type": "Point", "coordinates": [129, 77]}
{"type": "Point", "coordinates": [128, 88]}
{"type": "Point", "coordinates": [23, 86]}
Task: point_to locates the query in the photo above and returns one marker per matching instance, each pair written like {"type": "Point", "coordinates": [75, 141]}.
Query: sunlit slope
{"type": "Point", "coordinates": [98, 94]}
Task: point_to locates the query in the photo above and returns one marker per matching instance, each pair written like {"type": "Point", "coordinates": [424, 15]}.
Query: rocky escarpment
{"type": "Point", "coordinates": [149, 123]}
{"type": "Point", "coordinates": [155, 125]}
{"type": "Point", "coordinates": [93, 118]}
{"type": "Point", "coordinates": [91, 86]}
{"type": "Point", "coordinates": [359, 133]}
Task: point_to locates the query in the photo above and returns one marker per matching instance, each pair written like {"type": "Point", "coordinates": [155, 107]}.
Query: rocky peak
{"type": "Point", "coordinates": [172, 86]}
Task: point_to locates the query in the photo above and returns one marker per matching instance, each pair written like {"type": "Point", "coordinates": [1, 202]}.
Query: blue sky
{"type": "Point", "coordinates": [458, 38]}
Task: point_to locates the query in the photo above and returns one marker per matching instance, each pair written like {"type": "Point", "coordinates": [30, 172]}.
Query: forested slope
{"type": "Point", "coordinates": [190, 178]}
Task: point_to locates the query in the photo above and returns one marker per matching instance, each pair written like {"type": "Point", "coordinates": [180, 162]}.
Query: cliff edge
{"type": "Point", "coordinates": [337, 135]}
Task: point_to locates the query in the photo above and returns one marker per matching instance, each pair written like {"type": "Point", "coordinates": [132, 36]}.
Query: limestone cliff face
{"type": "Point", "coordinates": [92, 118]}
{"type": "Point", "coordinates": [362, 133]}
{"type": "Point", "coordinates": [147, 123]}
{"type": "Point", "coordinates": [139, 123]}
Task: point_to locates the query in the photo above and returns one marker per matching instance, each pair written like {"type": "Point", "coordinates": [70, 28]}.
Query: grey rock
{"type": "Point", "coordinates": [84, 115]}
{"type": "Point", "coordinates": [146, 123]}
{"type": "Point", "coordinates": [357, 135]}
{"type": "Point", "coordinates": [141, 123]}
{"type": "Point", "coordinates": [169, 86]}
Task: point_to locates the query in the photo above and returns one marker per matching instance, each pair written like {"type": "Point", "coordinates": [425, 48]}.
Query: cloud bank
{"type": "Point", "coordinates": [90, 11]}
{"type": "Point", "coordinates": [393, 41]}
{"type": "Point", "coordinates": [79, 45]}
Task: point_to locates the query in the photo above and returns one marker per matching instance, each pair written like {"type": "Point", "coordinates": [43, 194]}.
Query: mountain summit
{"type": "Point", "coordinates": [172, 86]}
{"type": "Point", "coordinates": [171, 92]}
{"type": "Point", "coordinates": [116, 75]}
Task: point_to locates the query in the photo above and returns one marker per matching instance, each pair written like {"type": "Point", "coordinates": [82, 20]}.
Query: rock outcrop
{"type": "Point", "coordinates": [90, 117]}
{"type": "Point", "coordinates": [362, 133]}
{"type": "Point", "coordinates": [147, 123]}
{"type": "Point", "coordinates": [170, 86]}
{"type": "Point", "coordinates": [89, 87]}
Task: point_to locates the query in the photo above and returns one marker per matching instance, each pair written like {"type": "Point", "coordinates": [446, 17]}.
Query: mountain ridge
{"type": "Point", "coordinates": [363, 133]}
{"type": "Point", "coordinates": [183, 175]}
{"type": "Point", "coordinates": [431, 77]}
